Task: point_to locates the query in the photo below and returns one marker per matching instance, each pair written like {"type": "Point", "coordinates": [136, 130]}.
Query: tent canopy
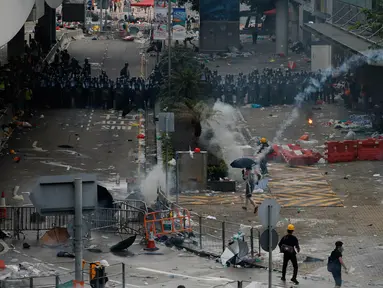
{"type": "Point", "coordinates": [142, 3]}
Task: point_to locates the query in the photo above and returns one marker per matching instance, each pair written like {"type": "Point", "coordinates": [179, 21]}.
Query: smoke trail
{"type": "Point", "coordinates": [314, 84]}
{"type": "Point", "coordinates": [224, 126]}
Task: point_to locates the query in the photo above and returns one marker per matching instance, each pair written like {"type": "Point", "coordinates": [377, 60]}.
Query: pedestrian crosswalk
{"type": "Point", "coordinates": [291, 187]}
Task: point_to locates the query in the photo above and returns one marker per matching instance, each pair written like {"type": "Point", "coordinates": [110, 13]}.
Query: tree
{"type": "Point", "coordinates": [196, 112]}
{"type": "Point", "coordinates": [373, 19]}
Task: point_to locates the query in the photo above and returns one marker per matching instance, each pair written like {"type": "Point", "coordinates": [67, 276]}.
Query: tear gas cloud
{"type": "Point", "coordinates": [156, 177]}
{"type": "Point", "coordinates": [224, 125]}
{"type": "Point", "coordinates": [350, 64]}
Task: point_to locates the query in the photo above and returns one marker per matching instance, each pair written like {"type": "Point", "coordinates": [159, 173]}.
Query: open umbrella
{"type": "Point", "coordinates": [235, 252]}
{"type": "Point", "coordinates": [55, 236]}
{"type": "Point", "coordinates": [242, 163]}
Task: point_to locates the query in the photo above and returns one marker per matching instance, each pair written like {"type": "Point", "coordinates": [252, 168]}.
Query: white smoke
{"type": "Point", "coordinates": [226, 135]}
{"type": "Point", "coordinates": [155, 178]}
{"type": "Point", "coordinates": [352, 63]}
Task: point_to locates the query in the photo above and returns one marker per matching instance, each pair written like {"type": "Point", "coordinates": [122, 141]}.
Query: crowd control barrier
{"type": "Point", "coordinates": [167, 222]}
{"type": "Point", "coordinates": [370, 149]}
{"type": "Point", "coordinates": [341, 151]}
{"type": "Point", "coordinates": [277, 150]}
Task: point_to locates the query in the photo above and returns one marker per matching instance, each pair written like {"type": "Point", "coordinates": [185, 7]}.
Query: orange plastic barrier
{"type": "Point", "coordinates": [341, 151]}
{"type": "Point", "coordinates": [167, 222]}
{"type": "Point", "coordinates": [370, 149]}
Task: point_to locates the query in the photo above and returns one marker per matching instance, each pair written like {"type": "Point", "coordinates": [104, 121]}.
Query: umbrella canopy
{"type": "Point", "coordinates": [55, 236]}
{"type": "Point", "coordinates": [242, 163]}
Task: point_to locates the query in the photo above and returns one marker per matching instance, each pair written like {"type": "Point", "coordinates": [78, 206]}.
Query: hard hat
{"type": "Point", "coordinates": [290, 227]}
{"type": "Point", "coordinates": [263, 140]}
{"type": "Point", "coordinates": [104, 263]}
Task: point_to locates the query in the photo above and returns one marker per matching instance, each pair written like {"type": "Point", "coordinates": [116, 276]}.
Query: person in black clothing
{"type": "Point", "coordinates": [335, 263]}
{"type": "Point", "coordinates": [289, 246]}
{"type": "Point", "coordinates": [125, 71]}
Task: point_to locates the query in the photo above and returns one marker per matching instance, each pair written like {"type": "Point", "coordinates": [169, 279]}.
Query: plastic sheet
{"type": "Point", "coordinates": [13, 14]}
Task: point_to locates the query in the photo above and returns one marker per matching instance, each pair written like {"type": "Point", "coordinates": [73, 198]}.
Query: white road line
{"type": "Point", "coordinates": [184, 276]}
{"type": "Point", "coordinates": [34, 145]}
{"type": "Point", "coordinates": [126, 285]}
{"type": "Point", "coordinates": [63, 268]}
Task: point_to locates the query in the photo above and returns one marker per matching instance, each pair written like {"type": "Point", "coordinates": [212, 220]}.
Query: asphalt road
{"type": "Point", "coordinates": [101, 149]}
{"type": "Point", "coordinates": [109, 55]}
{"type": "Point", "coordinates": [165, 268]}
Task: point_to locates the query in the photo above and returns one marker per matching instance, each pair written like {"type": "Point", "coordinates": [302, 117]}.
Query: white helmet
{"type": "Point", "coordinates": [104, 263]}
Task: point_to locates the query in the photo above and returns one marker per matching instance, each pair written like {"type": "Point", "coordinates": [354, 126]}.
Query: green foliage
{"type": "Point", "coordinates": [214, 172]}
{"type": "Point", "coordinates": [170, 151]}
{"type": "Point", "coordinates": [374, 19]}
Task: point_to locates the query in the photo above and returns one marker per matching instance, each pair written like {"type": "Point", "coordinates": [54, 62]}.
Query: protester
{"type": "Point", "coordinates": [248, 176]}
{"type": "Point", "coordinates": [335, 264]}
{"type": "Point", "coordinates": [289, 246]}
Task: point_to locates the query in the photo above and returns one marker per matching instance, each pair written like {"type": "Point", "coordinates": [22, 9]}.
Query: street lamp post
{"type": "Point", "coordinates": [170, 45]}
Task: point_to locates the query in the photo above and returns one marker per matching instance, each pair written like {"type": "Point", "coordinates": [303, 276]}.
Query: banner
{"type": "Point", "coordinates": [164, 3]}
{"type": "Point", "coordinates": [160, 23]}
{"type": "Point", "coordinates": [179, 23]}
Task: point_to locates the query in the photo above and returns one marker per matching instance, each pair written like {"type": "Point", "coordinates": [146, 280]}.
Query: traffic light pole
{"type": "Point", "coordinates": [170, 47]}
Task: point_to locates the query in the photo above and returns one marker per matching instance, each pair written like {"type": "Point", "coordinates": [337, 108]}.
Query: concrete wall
{"type": "Point", "coordinates": [192, 171]}
{"type": "Point", "coordinates": [218, 36]}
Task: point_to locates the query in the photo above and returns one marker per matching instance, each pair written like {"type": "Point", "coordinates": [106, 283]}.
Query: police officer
{"type": "Point", "coordinates": [289, 246]}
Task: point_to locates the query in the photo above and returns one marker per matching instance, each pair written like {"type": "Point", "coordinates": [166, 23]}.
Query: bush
{"type": "Point", "coordinates": [215, 172]}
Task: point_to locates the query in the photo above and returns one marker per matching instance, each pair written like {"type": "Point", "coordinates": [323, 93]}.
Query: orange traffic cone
{"type": "Point", "coordinates": [3, 207]}
{"type": "Point", "coordinates": [151, 246]}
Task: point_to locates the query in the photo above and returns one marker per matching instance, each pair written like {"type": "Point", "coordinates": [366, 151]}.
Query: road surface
{"type": "Point", "coordinates": [110, 56]}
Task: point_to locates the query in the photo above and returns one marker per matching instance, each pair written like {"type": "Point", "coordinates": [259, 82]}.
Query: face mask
{"type": "Point", "coordinates": [341, 249]}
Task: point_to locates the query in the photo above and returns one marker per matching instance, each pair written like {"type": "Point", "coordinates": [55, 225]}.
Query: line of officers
{"type": "Point", "coordinates": [66, 84]}
{"type": "Point", "coordinates": [271, 87]}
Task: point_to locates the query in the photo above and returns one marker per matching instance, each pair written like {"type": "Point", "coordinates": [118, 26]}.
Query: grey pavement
{"type": "Point", "coordinates": [318, 228]}
{"type": "Point", "coordinates": [263, 57]}
{"type": "Point", "coordinates": [169, 267]}
{"type": "Point", "coordinates": [109, 55]}
{"type": "Point", "coordinates": [101, 149]}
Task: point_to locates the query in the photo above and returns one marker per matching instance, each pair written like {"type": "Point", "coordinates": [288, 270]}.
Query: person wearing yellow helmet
{"type": "Point", "coordinates": [289, 246]}
{"type": "Point", "coordinates": [263, 150]}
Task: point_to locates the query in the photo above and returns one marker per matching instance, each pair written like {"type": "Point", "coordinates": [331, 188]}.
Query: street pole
{"type": "Point", "coordinates": [170, 45]}
{"type": "Point", "coordinates": [270, 247]}
{"type": "Point", "coordinates": [101, 26]}
{"type": "Point", "coordinates": [78, 228]}
{"type": "Point", "coordinates": [166, 156]}
{"type": "Point", "coordinates": [177, 179]}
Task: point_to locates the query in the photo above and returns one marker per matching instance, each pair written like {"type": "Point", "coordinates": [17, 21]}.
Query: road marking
{"type": "Point", "coordinates": [126, 285]}
{"type": "Point", "coordinates": [63, 268]}
{"type": "Point", "coordinates": [183, 275]}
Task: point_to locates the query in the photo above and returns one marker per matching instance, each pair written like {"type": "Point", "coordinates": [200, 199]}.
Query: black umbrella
{"type": "Point", "coordinates": [242, 163]}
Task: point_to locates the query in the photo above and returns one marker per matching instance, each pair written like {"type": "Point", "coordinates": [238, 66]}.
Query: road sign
{"type": "Point", "coordinates": [56, 194]}
{"type": "Point", "coordinates": [263, 213]}
{"type": "Point", "coordinates": [264, 240]}
{"type": "Point", "coordinates": [166, 121]}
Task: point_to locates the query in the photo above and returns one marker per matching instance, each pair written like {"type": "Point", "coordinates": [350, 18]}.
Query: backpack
{"type": "Point", "coordinates": [331, 264]}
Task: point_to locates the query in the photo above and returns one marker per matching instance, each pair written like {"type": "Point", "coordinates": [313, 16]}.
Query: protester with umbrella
{"type": "Point", "coordinates": [248, 175]}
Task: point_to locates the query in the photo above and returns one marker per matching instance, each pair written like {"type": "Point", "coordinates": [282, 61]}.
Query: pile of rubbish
{"type": "Point", "coordinates": [16, 275]}
{"type": "Point", "coordinates": [232, 53]}
{"type": "Point", "coordinates": [355, 122]}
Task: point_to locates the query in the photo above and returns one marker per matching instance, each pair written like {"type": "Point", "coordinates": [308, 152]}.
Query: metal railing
{"type": "Point", "coordinates": [211, 236]}
{"type": "Point", "coordinates": [116, 274]}
{"type": "Point", "coordinates": [352, 19]}
{"type": "Point", "coordinates": [125, 219]}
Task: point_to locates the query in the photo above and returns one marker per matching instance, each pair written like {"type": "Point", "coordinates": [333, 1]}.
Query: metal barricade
{"type": "Point", "coordinates": [167, 222]}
